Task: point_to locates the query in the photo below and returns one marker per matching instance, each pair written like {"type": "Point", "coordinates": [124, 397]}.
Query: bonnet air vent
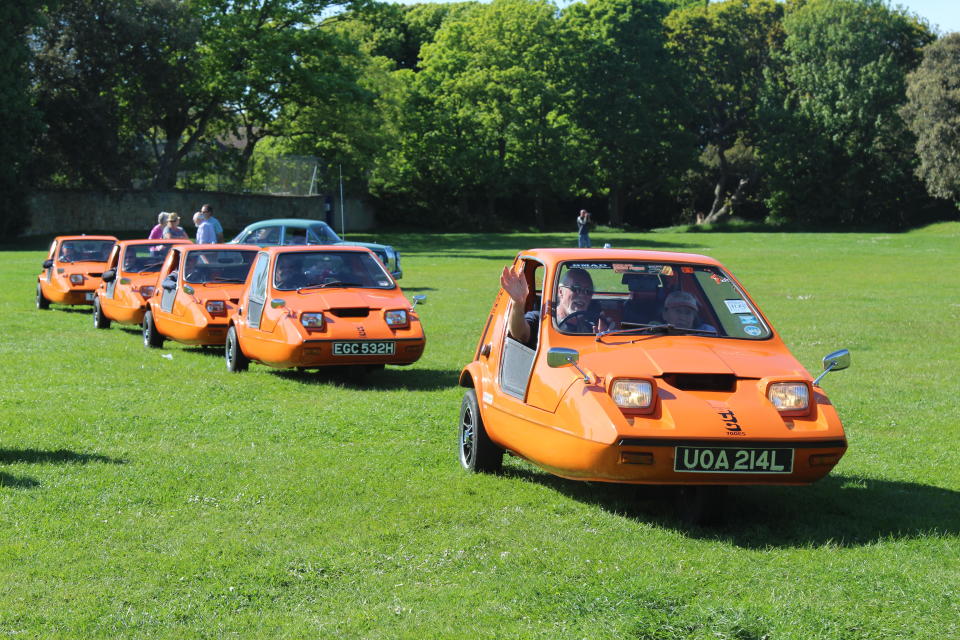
{"type": "Point", "coordinates": [351, 312]}
{"type": "Point", "coordinates": [94, 275]}
{"type": "Point", "coordinates": [701, 381]}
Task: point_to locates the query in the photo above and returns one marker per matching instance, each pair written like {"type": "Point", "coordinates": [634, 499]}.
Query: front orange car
{"type": "Point", "coordinates": [71, 272]}
{"type": "Point", "coordinates": [642, 367]}
{"type": "Point", "coordinates": [313, 307]}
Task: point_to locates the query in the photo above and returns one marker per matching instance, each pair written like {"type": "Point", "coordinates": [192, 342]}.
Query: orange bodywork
{"type": "Point", "coordinates": [354, 329]}
{"type": "Point", "coordinates": [181, 312]}
{"type": "Point", "coordinates": [71, 282]}
{"type": "Point", "coordinates": [124, 299]}
{"type": "Point", "coordinates": [709, 414]}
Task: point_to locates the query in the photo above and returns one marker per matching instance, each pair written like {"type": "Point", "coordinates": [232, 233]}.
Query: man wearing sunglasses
{"type": "Point", "coordinates": [573, 314]}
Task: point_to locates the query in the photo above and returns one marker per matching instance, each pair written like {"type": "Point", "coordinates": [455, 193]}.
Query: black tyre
{"type": "Point", "coordinates": [477, 452]}
{"type": "Point", "coordinates": [236, 361]}
{"type": "Point", "coordinates": [701, 505]}
{"type": "Point", "coordinates": [151, 337]}
{"type": "Point", "coordinates": [42, 302]}
{"type": "Point", "coordinates": [100, 321]}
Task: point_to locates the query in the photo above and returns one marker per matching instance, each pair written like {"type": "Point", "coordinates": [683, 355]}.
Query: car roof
{"type": "Point", "coordinates": [223, 246]}
{"type": "Point", "coordinates": [313, 248]}
{"type": "Point", "coordinates": [85, 237]}
{"type": "Point", "coordinates": [555, 255]}
{"type": "Point", "coordinates": [286, 222]}
{"type": "Point", "coordinates": [131, 243]}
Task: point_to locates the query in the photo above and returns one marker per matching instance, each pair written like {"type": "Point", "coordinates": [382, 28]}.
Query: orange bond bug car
{"type": "Point", "coordinates": [72, 270]}
{"type": "Point", "coordinates": [197, 289]}
{"type": "Point", "coordinates": [647, 368]}
{"type": "Point", "coordinates": [313, 307]}
{"type": "Point", "coordinates": [129, 280]}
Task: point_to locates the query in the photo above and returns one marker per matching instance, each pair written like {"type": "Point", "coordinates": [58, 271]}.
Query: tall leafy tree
{"type": "Point", "coordinates": [933, 115]}
{"type": "Point", "coordinates": [627, 104]}
{"type": "Point", "coordinates": [836, 149]}
{"type": "Point", "coordinates": [21, 124]}
{"type": "Point", "coordinates": [725, 49]}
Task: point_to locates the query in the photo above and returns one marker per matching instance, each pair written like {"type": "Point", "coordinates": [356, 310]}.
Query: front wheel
{"type": "Point", "coordinates": [236, 361]}
{"type": "Point", "coordinates": [100, 321]}
{"type": "Point", "coordinates": [477, 452]}
{"type": "Point", "coordinates": [42, 302]}
{"type": "Point", "coordinates": [151, 337]}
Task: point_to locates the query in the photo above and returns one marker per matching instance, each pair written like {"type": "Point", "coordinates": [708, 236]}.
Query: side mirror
{"type": "Point", "coordinates": [109, 275]}
{"type": "Point", "coordinates": [560, 357]}
{"type": "Point", "coordinates": [418, 299]}
{"type": "Point", "coordinates": [47, 263]}
{"type": "Point", "coordinates": [836, 361]}
{"type": "Point", "coordinates": [276, 303]}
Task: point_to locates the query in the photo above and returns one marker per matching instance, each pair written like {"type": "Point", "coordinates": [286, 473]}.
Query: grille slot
{"type": "Point", "coordinates": [701, 381]}
{"type": "Point", "coordinates": [351, 312]}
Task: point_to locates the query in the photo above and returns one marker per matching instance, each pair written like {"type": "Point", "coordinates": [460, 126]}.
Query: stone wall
{"type": "Point", "coordinates": [65, 212]}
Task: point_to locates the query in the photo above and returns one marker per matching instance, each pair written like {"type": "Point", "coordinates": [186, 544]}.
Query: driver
{"type": "Point", "coordinates": [290, 275]}
{"type": "Point", "coordinates": [574, 296]}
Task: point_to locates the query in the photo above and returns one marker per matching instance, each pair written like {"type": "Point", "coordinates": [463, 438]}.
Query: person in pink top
{"type": "Point", "coordinates": [157, 232]}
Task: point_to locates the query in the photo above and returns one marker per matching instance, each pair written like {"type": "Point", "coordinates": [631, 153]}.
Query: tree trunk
{"type": "Point", "coordinates": [538, 212]}
{"type": "Point", "coordinates": [615, 206]}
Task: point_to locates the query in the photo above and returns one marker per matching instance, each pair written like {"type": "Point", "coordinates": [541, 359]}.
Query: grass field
{"type": "Point", "coordinates": [151, 496]}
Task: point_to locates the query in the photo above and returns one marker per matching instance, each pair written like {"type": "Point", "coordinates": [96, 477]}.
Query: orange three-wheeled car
{"type": "Point", "coordinates": [72, 270]}
{"type": "Point", "coordinates": [322, 306]}
{"type": "Point", "coordinates": [198, 288]}
{"type": "Point", "coordinates": [643, 367]}
{"type": "Point", "coordinates": [129, 280]}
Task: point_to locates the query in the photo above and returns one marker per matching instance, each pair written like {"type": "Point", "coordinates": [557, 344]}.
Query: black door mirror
{"type": "Point", "coordinates": [47, 263]}
{"type": "Point", "coordinates": [109, 275]}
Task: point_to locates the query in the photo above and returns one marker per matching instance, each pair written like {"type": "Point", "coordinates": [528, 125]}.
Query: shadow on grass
{"type": "Point", "coordinates": [504, 246]}
{"type": "Point", "coordinates": [36, 456]}
{"type": "Point", "coordinates": [388, 379]}
{"type": "Point", "coordinates": [15, 482]}
{"type": "Point", "coordinates": [840, 511]}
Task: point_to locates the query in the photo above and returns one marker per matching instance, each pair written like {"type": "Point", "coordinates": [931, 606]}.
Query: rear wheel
{"type": "Point", "coordinates": [100, 321]}
{"type": "Point", "coordinates": [42, 302]}
{"type": "Point", "coordinates": [236, 361]}
{"type": "Point", "coordinates": [477, 452]}
{"type": "Point", "coordinates": [151, 337]}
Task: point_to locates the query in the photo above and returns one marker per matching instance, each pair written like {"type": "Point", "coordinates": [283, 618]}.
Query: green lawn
{"type": "Point", "coordinates": [148, 493]}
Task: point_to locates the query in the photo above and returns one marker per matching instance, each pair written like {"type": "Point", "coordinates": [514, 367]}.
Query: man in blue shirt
{"type": "Point", "coordinates": [207, 212]}
{"type": "Point", "coordinates": [206, 232]}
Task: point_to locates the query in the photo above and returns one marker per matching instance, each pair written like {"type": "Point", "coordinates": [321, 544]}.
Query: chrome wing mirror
{"type": "Point", "coordinates": [420, 298]}
{"type": "Point", "coordinates": [561, 357]}
{"type": "Point", "coordinates": [836, 361]}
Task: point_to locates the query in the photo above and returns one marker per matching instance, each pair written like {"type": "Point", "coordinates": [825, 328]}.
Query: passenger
{"type": "Point", "coordinates": [290, 275]}
{"type": "Point", "coordinates": [157, 232]}
{"type": "Point", "coordinates": [573, 313]}
{"type": "Point", "coordinates": [680, 310]}
{"type": "Point", "coordinates": [173, 229]}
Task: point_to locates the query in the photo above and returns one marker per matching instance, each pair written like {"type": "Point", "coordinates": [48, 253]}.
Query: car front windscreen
{"type": "Point", "coordinates": [329, 269]}
{"type": "Point", "coordinates": [144, 258]}
{"type": "Point", "coordinates": [85, 250]}
{"type": "Point", "coordinates": [218, 265]}
{"type": "Point", "coordinates": [654, 297]}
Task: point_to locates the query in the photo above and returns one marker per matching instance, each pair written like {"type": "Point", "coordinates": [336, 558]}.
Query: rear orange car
{"type": "Point", "coordinates": [321, 306]}
{"type": "Point", "coordinates": [626, 390]}
{"type": "Point", "coordinates": [71, 272]}
{"type": "Point", "coordinates": [198, 288]}
{"type": "Point", "coordinates": [129, 280]}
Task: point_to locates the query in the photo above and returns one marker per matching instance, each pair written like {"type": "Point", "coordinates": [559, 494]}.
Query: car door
{"type": "Point", "coordinates": [169, 293]}
{"type": "Point", "coordinates": [113, 263]}
{"type": "Point", "coordinates": [257, 293]}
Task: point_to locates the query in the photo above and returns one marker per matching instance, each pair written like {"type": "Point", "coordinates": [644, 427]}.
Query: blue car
{"type": "Point", "coordinates": [297, 231]}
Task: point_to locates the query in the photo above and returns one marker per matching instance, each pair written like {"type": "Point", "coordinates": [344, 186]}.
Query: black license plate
{"type": "Point", "coordinates": [365, 348]}
{"type": "Point", "coordinates": [732, 460]}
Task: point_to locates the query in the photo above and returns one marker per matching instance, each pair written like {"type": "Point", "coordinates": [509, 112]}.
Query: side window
{"type": "Point", "coordinates": [258, 284]}
{"type": "Point", "coordinates": [516, 363]}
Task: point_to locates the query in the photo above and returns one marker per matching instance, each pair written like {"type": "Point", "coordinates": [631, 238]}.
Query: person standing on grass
{"type": "Point", "coordinates": [206, 233]}
{"type": "Point", "coordinates": [207, 212]}
{"type": "Point", "coordinates": [157, 232]}
{"type": "Point", "coordinates": [173, 228]}
{"type": "Point", "coordinates": [583, 229]}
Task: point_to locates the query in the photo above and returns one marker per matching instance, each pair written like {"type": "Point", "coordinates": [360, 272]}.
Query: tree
{"type": "Point", "coordinates": [15, 104]}
{"type": "Point", "coordinates": [725, 49]}
{"type": "Point", "coordinates": [932, 112]}
{"type": "Point", "coordinates": [835, 147]}
{"type": "Point", "coordinates": [626, 104]}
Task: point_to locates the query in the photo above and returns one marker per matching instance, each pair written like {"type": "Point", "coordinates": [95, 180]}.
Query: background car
{"type": "Point", "coordinates": [129, 280]}
{"type": "Point", "coordinates": [639, 398]}
{"type": "Point", "coordinates": [314, 307]}
{"type": "Point", "coordinates": [297, 231]}
{"type": "Point", "coordinates": [71, 272]}
{"type": "Point", "coordinates": [198, 288]}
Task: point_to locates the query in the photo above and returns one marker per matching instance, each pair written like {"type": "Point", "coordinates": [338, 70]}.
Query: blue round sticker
{"type": "Point", "coordinates": [752, 330]}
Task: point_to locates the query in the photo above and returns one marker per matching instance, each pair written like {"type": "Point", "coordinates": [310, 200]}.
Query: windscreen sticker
{"type": "Point", "coordinates": [624, 267]}
{"type": "Point", "coordinates": [752, 330]}
{"type": "Point", "coordinates": [737, 306]}
{"type": "Point", "coordinates": [589, 265]}
{"type": "Point", "coordinates": [718, 278]}
{"type": "Point", "coordinates": [748, 319]}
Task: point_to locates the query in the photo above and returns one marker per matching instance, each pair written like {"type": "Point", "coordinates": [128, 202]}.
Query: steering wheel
{"type": "Point", "coordinates": [573, 316]}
